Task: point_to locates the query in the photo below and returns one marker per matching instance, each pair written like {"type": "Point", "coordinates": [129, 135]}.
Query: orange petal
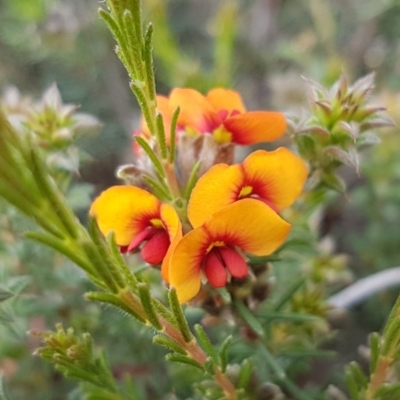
{"type": "Point", "coordinates": [217, 188]}
{"type": "Point", "coordinates": [224, 99]}
{"type": "Point", "coordinates": [277, 176]}
{"type": "Point", "coordinates": [165, 109]}
{"type": "Point", "coordinates": [185, 264]}
{"type": "Point", "coordinates": [195, 111]}
{"type": "Point", "coordinates": [256, 126]}
{"type": "Point", "coordinates": [126, 210]}
{"type": "Point", "coordinates": [249, 224]}
{"type": "Point", "coordinates": [173, 226]}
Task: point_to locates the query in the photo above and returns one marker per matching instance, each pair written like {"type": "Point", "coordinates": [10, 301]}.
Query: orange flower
{"type": "Point", "coordinates": [138, 219]}
{"type": "Point", "coordinates": [276, 178]}
{"type": "Point", "coordinates": [223, 114]}
{"type": "Point", "coordinates": [220, 113]}
{"type": "Point", "coordinates": [214, 249]}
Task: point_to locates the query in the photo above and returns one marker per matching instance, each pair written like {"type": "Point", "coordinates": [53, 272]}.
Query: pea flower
{"type": "Point", "coordinates": [220, 113]}
{"type": "Point", "coordinates": [215, 248]}
{"type": "Point", "coordinates": [138, 220]}
{"type": "Point", "coordinates": [275, 178]}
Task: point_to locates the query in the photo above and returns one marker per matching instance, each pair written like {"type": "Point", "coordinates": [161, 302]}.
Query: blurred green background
{"type": "Point", "coordinates": [262, 48]}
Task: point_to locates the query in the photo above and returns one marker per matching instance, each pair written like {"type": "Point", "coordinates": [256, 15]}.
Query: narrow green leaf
{"type": "Point", "coordinates": [179, 315]}
{"type": "Point", "coordinates": [183, 359]}
{"type": "Point", "coordinates": [112, 299]}
{"type": "Point", "coordinates": [160, 134]}
{"type": "Point", "coordinates": [148, 61]}
{"type": "Point", "coordinates": [129, 277]}
{"type": "Point", "coordinates": [104, 253]}
{"type": "Point", "coordinates": [226, 296]}
{"type": "Point", "coordinates": [169, 344]}
{"type": "Point", "coordinates": [205, 342]}
{"type": "Point", "coordinates": [251, 320]}
{"type": "Point", "coordinates": [154, 159]}
{"type": "Point", "coordinates": [391, 337]}
{"type": "Point", "coordinates": [388, 392]}
{"type": "Point", "coordinates": [101, 266]}
{"type": "Point", "coordinates": [17, 199]}
{"type": "Point", "coordinates": [288, 294]}
{"type": "Point", "coordinates": [137, 88]}
{"type": "Point", "coordinates": [113, 27]}
{"type": "Point", "coordinates": [13, 178]}
{"type": "Point", "coordinates": [289, 317]}
{"type": "Point", "coordinates": [134, 42]}
{"type": "Point", "coordinates": [309, 353]}
{"type": "Point", "coordinates": [24, 205]}
{"type": "Point", "coordinates": [172, 144]}
{"type": "Point", "coordinates": [64, 247]}
{"type": "Point", "coordinates": [158, 188]}
{"type": "Point", "coordinates": [358, 375]}
{"type": "Point", "coordinates": [246, 370]}
{"type": "Point", "coordinates": [192, 180]}
{"type": "Point", "coordinates": [223, 353]}
{"type": "Point", "coordinates": [334, 182]}
{"type": "Point", "coordinates": [374, 341]}
{"type": "Point", "coordinates": [209, 366]}
{"type": "Point", "coordinates": [135, 9]}
{"type": "Point", "coordinates": [351, 384]}
{"type": "Point", "coordinates": [147, 303]}
{"type": "Point", "coordinates": [54, 196]}
{"type": "Point", "coordinates": [164, 313]}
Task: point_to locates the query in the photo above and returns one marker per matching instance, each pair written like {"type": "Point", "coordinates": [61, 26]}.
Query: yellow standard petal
{"type": "Point", "coordinates": [126, 210]}
{"type": "Point", "coordinates": [196, 113]}
{"type": "Point", "coordinates": [225, 99]}
{"type": "Point", "coordinates": [277, 176]}
{"type": "Point", "coordinates": [250, 225]}
{"type": "Point", "coordinates": [217, 188]}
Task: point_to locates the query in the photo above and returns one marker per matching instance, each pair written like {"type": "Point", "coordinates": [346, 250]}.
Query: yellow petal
{"type": "Point", "coordinates": [173, 226]}
{"type": "Point", "coordinates": [224, 99]}
{"type": "Point", "coordinates": [256, 126]}
{"type": "Point", "coordinates": [249, 224]}
{"type": "Point", "coordinates": [217, 188]}
{"type": "Point", "coordinates": [185, 264]}
{"type": "Point", "coordinates": [277, 176]}
{"type": "Point", "coordinates": [196, 112]}
{"type": "Point", "coordinates": [126, 210]}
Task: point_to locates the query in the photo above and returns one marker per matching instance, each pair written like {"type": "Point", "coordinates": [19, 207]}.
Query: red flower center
{"type": "Point", "coordinates": [221, 260]}
{"type": "Point", "coordinates": [155, 248]}
{"type": "Point", "coordinates": [224, 114]}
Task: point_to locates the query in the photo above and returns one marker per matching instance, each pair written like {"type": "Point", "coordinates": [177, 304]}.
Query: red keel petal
{"type": "Point", "coordinates": [215, 270]}
{"type": "Point", "coordinates": [235, 263]}
{"type": "Point", "coordinates": [154, 251]}
{"type": "Point", "coordinates": [146, 234]}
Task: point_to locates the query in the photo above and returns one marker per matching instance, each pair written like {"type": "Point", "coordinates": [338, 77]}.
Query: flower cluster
{"type": "Point", "coordinates": [232, 210]}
